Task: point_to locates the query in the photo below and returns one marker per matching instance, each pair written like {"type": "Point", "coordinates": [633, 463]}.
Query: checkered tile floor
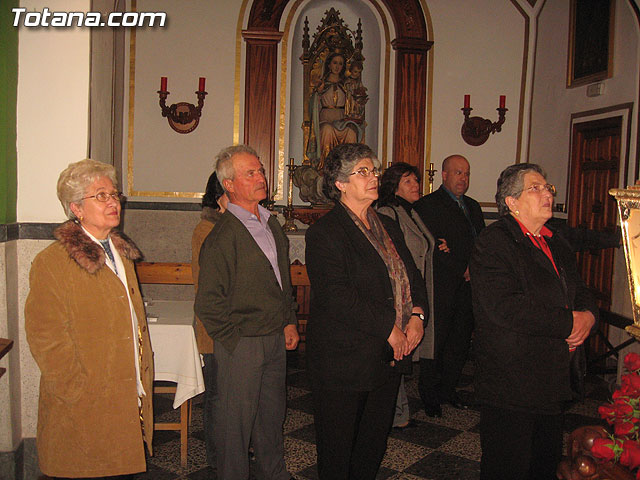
{"type": "Point", "coordinates": [435, 449]}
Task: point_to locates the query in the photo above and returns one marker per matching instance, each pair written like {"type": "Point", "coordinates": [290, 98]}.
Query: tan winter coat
{"type": "Point", "coordinates": [209, 217]}
{"type": "Point", "coordinates": [78, 325]}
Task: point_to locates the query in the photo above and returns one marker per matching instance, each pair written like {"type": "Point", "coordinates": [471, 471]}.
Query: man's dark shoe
{"type": "Point", "coordinates": [456, 401]}
{"type": "Point", "coordinates": [433, 410]}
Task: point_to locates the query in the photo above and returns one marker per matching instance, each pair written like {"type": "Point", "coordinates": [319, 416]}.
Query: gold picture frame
{"type": "Point", "coordinates": [629, 213]}
{"type": "Point", "coordinates": [591, 30]}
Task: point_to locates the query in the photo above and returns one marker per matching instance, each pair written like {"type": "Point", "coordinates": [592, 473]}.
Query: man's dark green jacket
{"type": "Point", "coordinates": [238, 292]}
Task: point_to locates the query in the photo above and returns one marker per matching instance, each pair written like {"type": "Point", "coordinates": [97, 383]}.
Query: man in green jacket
{"type": "Point", "coordinates": [245, 302]}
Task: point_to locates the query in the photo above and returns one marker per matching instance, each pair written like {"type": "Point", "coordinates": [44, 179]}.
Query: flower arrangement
{"type": "Point", "coordinates": [623, 414]}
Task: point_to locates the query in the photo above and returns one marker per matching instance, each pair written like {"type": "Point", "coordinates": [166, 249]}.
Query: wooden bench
{"type": "Point", "coordinates": [170, 274]}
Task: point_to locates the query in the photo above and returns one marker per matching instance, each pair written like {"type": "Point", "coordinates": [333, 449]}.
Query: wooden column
{"type": "Point", "coordinates": [410, 100]}
{"type": "Point", "coordinates": [260, 96]}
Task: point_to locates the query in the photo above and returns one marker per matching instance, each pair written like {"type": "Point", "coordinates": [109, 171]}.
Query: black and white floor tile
{"type": "Point", "coordinates": [433, 449]}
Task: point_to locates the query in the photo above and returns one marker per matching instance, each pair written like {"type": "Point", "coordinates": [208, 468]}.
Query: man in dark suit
{"type": "Point", "coordinates": [450, 215]}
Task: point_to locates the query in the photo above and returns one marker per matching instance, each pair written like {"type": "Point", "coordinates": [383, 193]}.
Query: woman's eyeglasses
{"type": "Point", "coordinates": [104, 196]}
{"type": "Point", "coordinates": [366, 172]}
{"type": "Point", "coordinates": [539, 188]}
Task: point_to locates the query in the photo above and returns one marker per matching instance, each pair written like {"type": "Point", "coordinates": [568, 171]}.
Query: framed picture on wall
{"type": "Point", "coordinates": [590, 41]}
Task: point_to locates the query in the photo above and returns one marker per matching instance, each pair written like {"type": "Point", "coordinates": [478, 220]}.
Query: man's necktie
{"type": "Point", "coordinates": [465, 210]}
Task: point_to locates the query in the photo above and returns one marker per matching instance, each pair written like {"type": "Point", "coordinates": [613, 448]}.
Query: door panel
{"type": "Point", "coordinates": [595, 167]}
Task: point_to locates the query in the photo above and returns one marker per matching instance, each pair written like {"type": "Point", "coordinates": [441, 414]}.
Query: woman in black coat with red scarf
{"type": "Point", "coordinates": [533, 313]}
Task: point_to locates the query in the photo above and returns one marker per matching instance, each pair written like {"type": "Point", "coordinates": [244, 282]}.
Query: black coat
{"type": "Point", "coordinates": [352, 309]}
{"type": "Point", "coordinates": [445, 219]}
{"type": "Point", "coordinates": [523, 313]}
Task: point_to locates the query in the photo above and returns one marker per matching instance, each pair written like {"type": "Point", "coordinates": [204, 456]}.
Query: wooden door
{"type": "Point", "coordinates": [594, 169]}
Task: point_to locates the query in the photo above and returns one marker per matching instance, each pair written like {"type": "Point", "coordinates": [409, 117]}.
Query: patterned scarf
{"type": "Point", "coordinates": [379, 238]}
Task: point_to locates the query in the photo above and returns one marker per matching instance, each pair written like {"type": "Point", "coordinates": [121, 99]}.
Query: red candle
{"type": "Point", "coordinates": [201, 84]}
{"type": "Point", "coordinates": [467, 101]}
{"type": "Point", "coordinates": [163, 84]}
{"type": "Point", "coordinates": [503, 100]}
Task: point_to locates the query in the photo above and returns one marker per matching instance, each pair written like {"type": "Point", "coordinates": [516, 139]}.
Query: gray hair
{"type": "Point", "coordinates": [74, 181]}
{"type": "Point", "coordinates": [511, 183]}
{"type": "Point", "coordinates": [339, 164]}
{"type": "Point", "coordinates": [224, 165]}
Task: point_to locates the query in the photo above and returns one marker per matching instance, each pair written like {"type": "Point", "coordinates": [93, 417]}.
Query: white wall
{"type": "Point", "coordinates": [52, 110]}
{"type": "Point", "coordinates": [199, 40]}
{"type": "Point", "coordinates": [478, 50]}
{"type": "Point", "coordinates": [554, 103]}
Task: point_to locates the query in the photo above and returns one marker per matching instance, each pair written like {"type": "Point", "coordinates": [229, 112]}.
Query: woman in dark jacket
{"type": "Point", "coordinates": [367, 310]}
{"type": "Point", "coordinates": [532, 312]}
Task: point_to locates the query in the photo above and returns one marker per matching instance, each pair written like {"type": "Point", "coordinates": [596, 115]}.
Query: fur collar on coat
{"type": "Point", "coordinates": [87, 253]}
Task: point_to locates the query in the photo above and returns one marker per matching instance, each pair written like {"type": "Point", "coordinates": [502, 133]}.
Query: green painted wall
{"type": "Point", "coordinates": [8, 96]}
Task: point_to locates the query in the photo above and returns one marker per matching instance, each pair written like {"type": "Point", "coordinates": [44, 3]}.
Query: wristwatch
{"type": "Point", "coordinates": [419, 315]}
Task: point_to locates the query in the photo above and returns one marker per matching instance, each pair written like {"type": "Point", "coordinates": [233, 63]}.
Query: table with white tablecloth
{"type": "Point", "coordinates": [173, 340]}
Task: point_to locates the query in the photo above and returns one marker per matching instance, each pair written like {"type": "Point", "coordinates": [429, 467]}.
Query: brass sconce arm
{"type": "Point", "coordinates": [476, 130]}
{"type": "Point", "coordinates": [183, 117]}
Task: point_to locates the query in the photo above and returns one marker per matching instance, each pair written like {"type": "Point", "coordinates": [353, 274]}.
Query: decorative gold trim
{"type": "Point", "coordinates": [429, 105]}
{"type": "Point", "coordinates": [131, 192]}
{"type": "Point", "coordinates": [238, 74]}
{"type": "Point", "coordinates": [387, 76]}
{"type": "Point", "coordinates": [132, 92]}
{"type": "Point", "coordinates": [523, 84]}
{"type": "Point", "coordinates": [148, 193]}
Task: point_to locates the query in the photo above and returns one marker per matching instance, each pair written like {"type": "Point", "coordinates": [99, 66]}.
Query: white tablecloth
{"type": "Point", "coordinates": [173, 340]}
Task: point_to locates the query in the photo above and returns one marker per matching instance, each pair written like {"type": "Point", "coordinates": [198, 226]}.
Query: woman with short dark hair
{"type": "Point", "coordinates": [532, 314]}
{"type": "Point", "coordinates": [366, 317]}
{"type": "Point", "coordinates": [399, 189]}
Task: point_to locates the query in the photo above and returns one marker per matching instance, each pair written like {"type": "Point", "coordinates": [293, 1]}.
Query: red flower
{"type": "Point", "coordinates": [631, 382]}
{"type": "Point", "coordinates": [603, 448]}
{"type": "Point", "coordinates": [607, 412]}
{"type": "Point", "coordinates": [632, 361]}
{"type": "Point", "coordinates": [625, 428]}
{"type": "Point", "coordinates": [630, 454]}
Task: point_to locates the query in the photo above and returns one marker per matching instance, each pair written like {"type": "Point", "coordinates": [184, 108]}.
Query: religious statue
{"type": "Point", "coordinates": [337, 109]}
{"type": "Point", "coordinates": [334, 98]}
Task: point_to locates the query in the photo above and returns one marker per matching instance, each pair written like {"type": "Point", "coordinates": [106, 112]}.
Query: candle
{"type": "Point", "coordinates": [503, 100]}
{"type": "Point", "coordinates": [290, 189]}
{"type": "Point", "coordinates": [431, 167]}
{"type": "Point", "coordinates": [163, 84]}
{"type": "Point", "coordinates": [467, 101]}
{"type": "Point", "coordinates": [201, 84]}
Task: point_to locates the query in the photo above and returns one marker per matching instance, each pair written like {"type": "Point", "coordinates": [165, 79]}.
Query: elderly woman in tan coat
{"type": "Point", "coordinates": [87, 329]}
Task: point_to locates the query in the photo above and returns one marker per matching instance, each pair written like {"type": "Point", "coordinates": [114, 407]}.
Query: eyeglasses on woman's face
{"type": "Point", "coordinates": [366, 172]}
{"type": "Point", "coordinates": [540, 188]}
{"type": "Point", "coordinates": [104, 196]}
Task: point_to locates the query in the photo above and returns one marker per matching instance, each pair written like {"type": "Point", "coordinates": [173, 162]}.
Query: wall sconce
{"type": "Point", "coordinates": [476, 130]}
{"type": "Point", "coordinates": [183, 117]}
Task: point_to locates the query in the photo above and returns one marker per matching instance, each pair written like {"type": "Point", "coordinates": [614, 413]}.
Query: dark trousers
{"type": "Point", "coordinates": [454, 325]}
{"type": "Point", "coordinates": [352, 430]}
{"type": "Point", "coordinates": [249, 405]}
{"type": "Point", "coordinates": [209, 374]}
{"type": "Point", "coordinates": [519, 445]}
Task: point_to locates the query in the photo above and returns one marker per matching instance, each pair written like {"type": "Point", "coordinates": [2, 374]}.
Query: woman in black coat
{"type": "Point", "coordinates": [532, 313]}
{"type": "Point", "coordinates": [367, 311]}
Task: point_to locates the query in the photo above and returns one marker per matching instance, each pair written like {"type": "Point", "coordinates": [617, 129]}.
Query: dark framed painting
{"type": "Point", "coordinates": [591, 30]}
